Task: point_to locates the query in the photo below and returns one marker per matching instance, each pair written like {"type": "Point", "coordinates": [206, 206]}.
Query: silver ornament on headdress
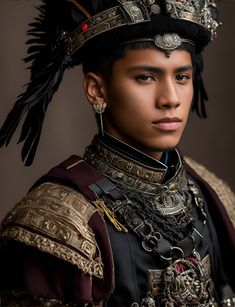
{"type": "Point", "coordinates": [197, 11]}
{"type": "Point", "coordinates": [168, 42]}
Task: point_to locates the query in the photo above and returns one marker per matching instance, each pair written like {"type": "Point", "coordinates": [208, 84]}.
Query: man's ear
{"type": "Point", "coordinates": [95, 88]}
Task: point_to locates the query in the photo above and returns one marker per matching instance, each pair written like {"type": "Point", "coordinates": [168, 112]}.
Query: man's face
{"type": "Point", "coordinates": [149, 98]}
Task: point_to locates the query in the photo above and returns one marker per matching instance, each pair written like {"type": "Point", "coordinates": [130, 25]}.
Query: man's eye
{"type": "Point", "coordinates": [182, 77]}
{"type": "Point", "coordinates": [145, 78]}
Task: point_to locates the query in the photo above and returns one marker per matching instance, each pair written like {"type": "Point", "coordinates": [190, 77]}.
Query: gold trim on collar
{"type": "Point", "coordinates": [98, 153]}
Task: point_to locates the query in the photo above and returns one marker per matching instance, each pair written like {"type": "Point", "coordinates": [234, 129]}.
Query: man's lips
{"type": "Point", "coordinates": [167, 123]}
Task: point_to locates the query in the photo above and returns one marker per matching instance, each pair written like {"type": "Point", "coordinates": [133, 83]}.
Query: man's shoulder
{"type": "Point", "coordinates": [55, 219]}
{"type": "Point", "coordinates": [218, 185]}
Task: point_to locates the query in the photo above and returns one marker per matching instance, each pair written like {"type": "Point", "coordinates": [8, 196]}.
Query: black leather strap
{"type": "Point", "coordinates": [152, 241]}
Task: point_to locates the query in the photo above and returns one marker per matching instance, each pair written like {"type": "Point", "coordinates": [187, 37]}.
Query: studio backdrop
{"type": "Point", "coordinates": [69, 123]}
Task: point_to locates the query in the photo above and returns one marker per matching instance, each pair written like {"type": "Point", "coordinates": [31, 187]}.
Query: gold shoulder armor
{"type": "Point", "coordinates": [16, 299]}
{"type": "Point", "coordinates": [54, 219]}
{"type": "Point", "coordinates": [223, 191]}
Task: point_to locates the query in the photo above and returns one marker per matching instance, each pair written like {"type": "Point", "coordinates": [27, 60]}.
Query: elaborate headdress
{"type": "Point", "coordinates": [67, 29]}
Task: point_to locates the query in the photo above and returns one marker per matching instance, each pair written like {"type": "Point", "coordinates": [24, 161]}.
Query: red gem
{"type": "Point", "coordinates": [85, 27]}
{"type": "Point", "coordinates": [180, 267]}
{"type": "Point", "coordinates": [192, 260]}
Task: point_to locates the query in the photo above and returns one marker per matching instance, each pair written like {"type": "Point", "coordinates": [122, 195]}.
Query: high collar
{"type": "Point", "coordinates": [127, 159]}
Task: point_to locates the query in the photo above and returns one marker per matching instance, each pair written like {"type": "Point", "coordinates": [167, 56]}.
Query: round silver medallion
{"type": "Point", "coordinates": [155, 9]}
{"type": "Point", "coordinates": [168, 41]}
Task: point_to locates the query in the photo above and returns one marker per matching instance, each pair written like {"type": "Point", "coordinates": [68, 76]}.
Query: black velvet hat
{"type": "Point", "coordinates": [66, 31]}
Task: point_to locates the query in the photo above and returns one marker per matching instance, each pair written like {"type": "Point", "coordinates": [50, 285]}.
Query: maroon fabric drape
{"type": "Point", "coordinates": [223, 225]}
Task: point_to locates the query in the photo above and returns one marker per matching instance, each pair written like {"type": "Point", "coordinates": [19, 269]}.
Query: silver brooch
{"type": "Point", "coordinates": [167, 42]}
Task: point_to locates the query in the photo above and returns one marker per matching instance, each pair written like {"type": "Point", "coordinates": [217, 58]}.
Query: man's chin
{"type": "Point", "coordinates": [162, 149]}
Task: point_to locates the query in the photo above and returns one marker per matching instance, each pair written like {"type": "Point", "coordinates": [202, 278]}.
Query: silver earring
{"type": "Point", "coordinates": [99, 109]}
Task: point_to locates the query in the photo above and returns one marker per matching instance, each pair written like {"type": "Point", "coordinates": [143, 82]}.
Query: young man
{"type": "Point", "coordinates": [131, 223]}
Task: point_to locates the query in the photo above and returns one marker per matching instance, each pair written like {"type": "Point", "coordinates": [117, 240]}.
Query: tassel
{"type": "Point", "coordinates": [99, 203]}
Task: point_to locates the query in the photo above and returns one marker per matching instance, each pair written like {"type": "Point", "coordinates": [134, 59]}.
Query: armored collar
{"type": "Point", "coordinates": [125, 164]}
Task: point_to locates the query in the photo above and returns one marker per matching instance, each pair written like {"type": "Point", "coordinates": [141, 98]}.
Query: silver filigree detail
{"type": "Point", "coordinates": [184, 284]}
{"type": "Point", "coordinates": [171, 202]}
{"type": "Point", "coordinates": [133, 12]}
{"type": "Point", "coordinates": [155, 9]}
{"type": "Point", "coordinates": [200, 12]}
{"type": "Point", "coordinates": [168, 41]}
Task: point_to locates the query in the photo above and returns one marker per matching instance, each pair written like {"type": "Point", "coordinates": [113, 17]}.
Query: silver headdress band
{"type": "Point", "coordinates": [138, 11]}
{"type": "Point", "coordinates": [167, 42]}
{"type": "Point", "coordinates": [129, 13]}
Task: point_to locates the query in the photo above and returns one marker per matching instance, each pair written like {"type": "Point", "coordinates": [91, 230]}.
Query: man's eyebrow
{"type": "Point", "coordinates": [184, 68]}
{"type": "Point", "coordinates": [145, 68]}
{"type": "Point", "coordinates": [155, 69]}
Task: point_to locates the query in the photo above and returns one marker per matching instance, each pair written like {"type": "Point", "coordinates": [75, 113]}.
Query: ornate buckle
{"type": "Point", "coordinates": [176, 252]}
{"type": "Point", "coordinates": [149, 243]}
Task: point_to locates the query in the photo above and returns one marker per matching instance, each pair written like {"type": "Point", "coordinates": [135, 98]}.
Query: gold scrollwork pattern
{"type": "Point", "coordinates": [221, 188]}
{"type": "Point", "coordinates": [100, 155]}
{"type": "Point", "coordinates": [19, 299]}
{"type": "Point", "coordinates": [54, 218]}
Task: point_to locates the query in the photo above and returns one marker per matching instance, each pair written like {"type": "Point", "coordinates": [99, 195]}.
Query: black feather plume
{"type": "Point", "coordinates": [47, 69]}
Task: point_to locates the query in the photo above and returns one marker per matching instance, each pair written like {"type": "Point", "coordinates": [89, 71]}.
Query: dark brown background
{"type": "Point", "coordinates": [69, 124]}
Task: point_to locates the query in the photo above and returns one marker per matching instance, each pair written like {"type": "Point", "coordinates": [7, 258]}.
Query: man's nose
{"type": "Point", "coordinates": [168, 96]}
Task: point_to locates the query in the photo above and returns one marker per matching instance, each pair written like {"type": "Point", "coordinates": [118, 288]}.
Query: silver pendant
{"type": "Point", "coordinates": [148, 302]}
{"type": "Point", "coordinates": [184, 284]}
